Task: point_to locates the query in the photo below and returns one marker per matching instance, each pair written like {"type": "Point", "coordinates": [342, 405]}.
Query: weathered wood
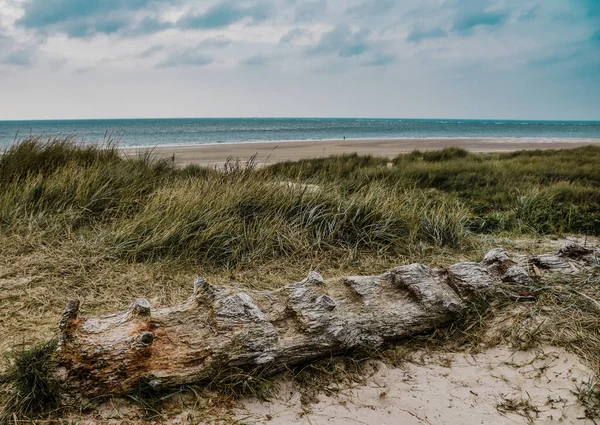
{"type": "Point", "coordinates": [219, 327]}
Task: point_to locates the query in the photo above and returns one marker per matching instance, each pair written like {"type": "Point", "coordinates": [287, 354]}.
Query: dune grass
{"type": "Point", "coordinates": [542, 191]}
{"type": "Point", "coordinates": [343, 206]}
{"type": "Point", "coordinates": [83, 221]}
{"type": "Point", "coordinates": [144, 210]}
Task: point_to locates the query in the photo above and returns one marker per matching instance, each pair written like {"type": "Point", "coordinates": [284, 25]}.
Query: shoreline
{"type": "Point", "coordinates": [375, 139]}
{"type": "Point", "coordinates": [269, 152]}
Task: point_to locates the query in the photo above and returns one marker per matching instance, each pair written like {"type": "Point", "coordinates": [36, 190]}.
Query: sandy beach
{"type": "Point", "coordinates": [271, 152]}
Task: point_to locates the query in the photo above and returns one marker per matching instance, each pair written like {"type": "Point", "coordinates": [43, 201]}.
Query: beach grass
{"type": "Point", "coordinates": [142, 210]}
{"type": "Point", "coordinates": [541, 191]}
{"type": "Point", "coordinates": [85, 222]}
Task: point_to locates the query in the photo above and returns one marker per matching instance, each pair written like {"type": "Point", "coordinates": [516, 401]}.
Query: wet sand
{"type": "Point", "coordinates": [271, 152]}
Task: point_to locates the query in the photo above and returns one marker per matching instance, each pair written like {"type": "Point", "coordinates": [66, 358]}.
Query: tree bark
{"type": "Point", "coordinates": [219, 328]}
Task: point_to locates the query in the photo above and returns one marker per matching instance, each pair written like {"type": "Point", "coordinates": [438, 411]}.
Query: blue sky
{"type": "Point", "coordinates": [536, 59]}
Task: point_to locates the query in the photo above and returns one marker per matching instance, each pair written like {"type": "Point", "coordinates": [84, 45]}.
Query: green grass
{"type": "Point", "coordinates": [34, 392]}
{"type": "Point", "coordinates": [143, 210]}
{"type": "Point", "coordinates": [543, 191]}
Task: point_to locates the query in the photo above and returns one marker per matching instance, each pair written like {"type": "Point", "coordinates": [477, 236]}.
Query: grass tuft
{"type": "Point", "coordinates": [32, 390]}
{"type": "Point", "coordinates": [588, 395]}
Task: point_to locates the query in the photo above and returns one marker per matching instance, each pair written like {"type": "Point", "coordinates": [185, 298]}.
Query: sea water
{"type": "Point", "coordinates": [154, 132]}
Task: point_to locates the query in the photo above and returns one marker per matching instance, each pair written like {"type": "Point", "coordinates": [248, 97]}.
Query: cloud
{"type": "Point", "coordinates": [578, 59]}
{"type": "Point", "coordinates": [418, 35]}
{"type": "Point", "coordinates": [256, 60]}
{"type": "Point", "coordinates": [464, 23]}
{"type": "Point", "coordinates": [132, 18]}
{"type": "Point", "coordinates": [150, 51]}
{"type": "Point", "coordinates": [87, 28]}
{"type": "Point", "coordinates": [531, 14]}
{"type": "Point", "coordinates": [556, 58]}
{"type": "Point", "coordinates": [508, 47]}
{"type": "Point", "coordinates": [190, 57]}
{"type": "Point", "coordinates": [291, 36]}
{"type": "Point", "coordinates": [380, 60]}
{"type": "Point", "coordinates": [147, 26]}
{"type": "Point", "coordinates": [215, 42]}
{"type": "Point", "coordinates": [14, 53]}
{"type": "Point", "coordinates": [21, 57]}
{"type": "Point", "coordinates": [342, 41]}
{"type": "Point", "coordinates": [226, 13]}
{"type": "Point", "coordinates": [83, 18]}
{"type": "Point", "coordinates": [310, 11]}
{"type": "Point", "coordinates": [467, 15]}
{"type": "Point", "coordinates": [591, 7]}
{"type": "Point", "coordinates": [372, 7]}
{"type": "Point", "coordinates": [44, 13]}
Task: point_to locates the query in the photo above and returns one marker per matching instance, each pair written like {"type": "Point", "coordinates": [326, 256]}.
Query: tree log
{"type": "Point", "coordinates": [219, 327]}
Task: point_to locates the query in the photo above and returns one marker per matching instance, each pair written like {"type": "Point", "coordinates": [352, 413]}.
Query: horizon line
{"type": "Point", "coordinates": [296, 117]}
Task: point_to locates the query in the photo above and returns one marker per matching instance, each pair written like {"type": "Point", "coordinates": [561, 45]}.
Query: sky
{"type": "Point", "coordinates": [505, 59]}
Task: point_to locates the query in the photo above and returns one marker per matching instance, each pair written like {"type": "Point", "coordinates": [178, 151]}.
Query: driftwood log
{"type": "Point", "coordinates": [219, 327]}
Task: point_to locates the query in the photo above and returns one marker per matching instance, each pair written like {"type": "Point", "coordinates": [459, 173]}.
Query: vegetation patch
{"type": "Point", "coordinates": [31, 391]}
{"type": "Point", "coordinates": [84, 221]}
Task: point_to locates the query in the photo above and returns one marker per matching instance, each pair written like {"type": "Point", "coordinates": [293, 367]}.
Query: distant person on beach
{"type": "Point", "coordinates": [344, 137]}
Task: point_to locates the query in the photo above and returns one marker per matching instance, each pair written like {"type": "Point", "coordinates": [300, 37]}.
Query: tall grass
{"type": "Point", "coordinates": [141, 210]}
{"type": "Point", "coordinates": [342, 206]}
{"type": "Point", "coordinates": [494, 187]}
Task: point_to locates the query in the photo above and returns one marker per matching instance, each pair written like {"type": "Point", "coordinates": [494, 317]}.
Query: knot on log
{"type": "Point", "coordinates": [551, 262]}
{"type": "Point", "coordinates": [570, 258]}
{"type": "Point", "coordinates": [69, 313]}
{"type": "Point", "coordinates": [368, 287]}
{"type": "Point", "coordinates": [204, 291]}
{"type": "Point", "coordinates": [68, 321]}
{"type": "Point", "coordinates": [469, 277]}
{"type": "Point", "coordinates": [311, 308]}
{"type": "Point", "coordinates": [573, 250]}
{"type": "Point", "coordinates": [313, 278]}
{"type": "Point", "coordinates": [495, 256]}
{"type": "Point", "coordinates": [146, 338]}
{"type": "Point", "coordinates": [325, 302]}
{"type": "Point", "coordinates": [140, 307]}
{"type": "Point", "coordinates": [498, 261]}
{"type": "Point", "coordinates": [239, 308]}
{"type": "Point", "coordinates": [427, 287]}
{"type": "Point", "coordinates": [517, 274]}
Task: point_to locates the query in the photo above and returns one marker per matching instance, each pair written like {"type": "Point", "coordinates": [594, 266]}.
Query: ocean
{"type": "Point", "coordinates": [154, 132]}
